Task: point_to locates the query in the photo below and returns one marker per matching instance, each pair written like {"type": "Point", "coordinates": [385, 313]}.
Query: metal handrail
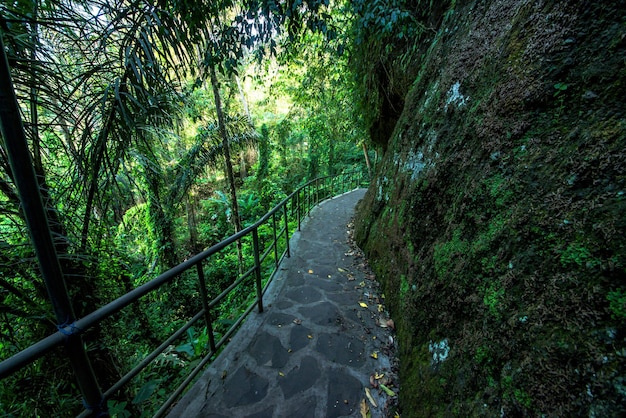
{"type": "Point", "coordinates": [302, 200]}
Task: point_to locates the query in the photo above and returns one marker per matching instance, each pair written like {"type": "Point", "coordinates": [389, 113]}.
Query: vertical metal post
{"type": "Point", "coordinates": [257, 270]}
{"type": "Point", "coordinates": [307, 199]}
{"type": "Point", "coordinates": [298, 209]}
{"type": "Point", "coordinates": [317, 192]}
{"type": "Point", "coordinates": [287, 231]}
{"type": "Point", "coordinates": [39, 229]}
{"type": "Point", "coordinates": [332, 189]}
{"type": "Point", "coordinates": [205, 305]}
{"type": "Point", "coordinates": [274, 228]}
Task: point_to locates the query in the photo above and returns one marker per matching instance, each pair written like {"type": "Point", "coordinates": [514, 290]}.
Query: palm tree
{"type": "Point", "coordinates": [96, 80]}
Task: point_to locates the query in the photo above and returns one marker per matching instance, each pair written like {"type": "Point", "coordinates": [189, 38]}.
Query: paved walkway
{"type": "Point", "coordinates": [321, 342]}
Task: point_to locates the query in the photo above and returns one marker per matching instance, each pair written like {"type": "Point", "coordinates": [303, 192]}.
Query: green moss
{"type": "Point", "coordinates": [493, 297]}
{"type": "Point", "coordinates": [404, 287]}
{"type": "Point", "coordinates": [494, 229]}
{"type": "Point", "coordinates": [577, 254]}
{"type": "Point", "coordinates": [522, 398]}
{"type": "Point", "coordinates": [482, 354]}
{"type": "Point", "coordinates": [445, 254]}
{"type": "Point", "coordinates": [617, 303]}
{"type": "Point", "coordinates": [497, 187]}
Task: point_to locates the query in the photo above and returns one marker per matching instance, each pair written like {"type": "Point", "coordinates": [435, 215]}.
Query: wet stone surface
{"type": "Point", "coordinates": [314, 350]}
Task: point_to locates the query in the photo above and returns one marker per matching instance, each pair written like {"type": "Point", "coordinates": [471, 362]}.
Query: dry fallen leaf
{"type": "Point", "coordinates": [379, 376]}
{"type": "Point", "coordinates": [363, 304]}
{"type": "Point", "coordinates": [310, 271]}
{"type": "Point", "coordinates": [380, 308]}
{"type": "Point", "coordinates": [391, 324]}
{"type": "Point", "coordinates": [365, 410]}
{"type": "Point", "coordinates": [281, 374]}
{"type": "Point", "coordinates": [341, 270]}
{"type": "Point", "coordinates": [373, 382]}
{"type": "Point", "coordinates": [369, 397]}
{"type": "Point", "coordinates": [297, 321]}
{"type": "Point", "coordinates": [374, 355]}
{"type": "Point", "coordinates": [310, 337]}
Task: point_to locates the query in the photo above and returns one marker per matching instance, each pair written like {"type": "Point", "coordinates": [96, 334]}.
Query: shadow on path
{"type": "Point", "coordinates": [318, 345]}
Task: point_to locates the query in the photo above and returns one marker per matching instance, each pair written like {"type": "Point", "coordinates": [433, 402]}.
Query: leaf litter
{"type": "Point", "coordinates": [384, 382]}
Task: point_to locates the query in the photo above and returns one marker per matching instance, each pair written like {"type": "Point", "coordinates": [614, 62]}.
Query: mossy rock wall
{"type": "Point", "coordinates": [497, 220]}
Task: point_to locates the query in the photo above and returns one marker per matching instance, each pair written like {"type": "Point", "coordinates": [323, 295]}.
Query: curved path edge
{"type": "Point", "coordinates": [322, 340]}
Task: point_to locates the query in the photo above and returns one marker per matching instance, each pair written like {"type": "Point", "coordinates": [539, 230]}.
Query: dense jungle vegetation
{"type": "Point", "coordinates": [158, 129]}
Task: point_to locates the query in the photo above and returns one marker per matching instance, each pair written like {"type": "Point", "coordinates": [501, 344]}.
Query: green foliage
{"type": "Point", "coordinates": [118, 409]}
{"type": "Point", "coordinates": [196, 345]}
{"type": "Point", "coordinates": [386, 38]}
{"type": "Point", "coordinates": [264, 153]}
{"type": "Point", "coordinates": [617, 303]}
{"type": "Point", "coordinates": [577, 254]}
{"type": "Point", "coordinates": [447, 255]}
{"type": "Point", "coordinates": [404, 287]}
{"type": "Point", "coordinates": [140, 143]}
{"type": "Point", "coordinates": [493, 297]}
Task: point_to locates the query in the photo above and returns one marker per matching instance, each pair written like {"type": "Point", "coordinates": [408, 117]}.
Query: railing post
{"type": "Point", "coordinates": [307, 199]}
{"type": "Point", "coordinates": [331, 190]}
{"type": "Point", "coordinates": [205, 305]}
{"type": "Point", "coordinates": [36, 218]}
{"type": "Point", "coordinates": [298, 209]}
{"type": "Point", "coordinates": [257, 269]}
{"type": "Point", "coordinates": [274, 227]}
{"type": "Point", "coordinates": [287, 231]}
{"type": "Point", "coordinates": [329, 186]}
{"type": "Point", "coordinates": [317, 191]}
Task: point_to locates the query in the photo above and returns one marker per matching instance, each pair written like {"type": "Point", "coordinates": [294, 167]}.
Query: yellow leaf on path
{"type": "Point", "coordinates": [379, 376]}
{"type": "Point", "coordinates": [374, 355]}
{"type": "Point", "coordinates": [396, 415]}
{"type": "Point", "coordinates": [341, 270]}
{"type": "Point", "coordinates": [310, 337]}
{"type": "Point", "coordinates": [369, 397]}
{"type": "Point", "coordinates": [310, 271]}
{"type": "Point", "coordinates": [364, 409]}
{"type": "Point", "coordinates": [380, 308]}
{"type": "Point", "coordinates": [363, 304]}
{"type": "Point", "coordinates": [281, 374]}
{"type": "Point", "coordinates": [362, 284]}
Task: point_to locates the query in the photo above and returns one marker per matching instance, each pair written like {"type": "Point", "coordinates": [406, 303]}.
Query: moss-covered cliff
{"type": "Point", "coordinates": [497, 220]}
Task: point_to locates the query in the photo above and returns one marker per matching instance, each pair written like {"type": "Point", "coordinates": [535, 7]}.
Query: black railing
{"type": "Point", "coordinates": [283, 220]}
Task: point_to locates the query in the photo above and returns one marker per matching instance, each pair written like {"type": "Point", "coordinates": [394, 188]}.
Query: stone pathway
{"type": "Point", "coordinates": [322, 340]}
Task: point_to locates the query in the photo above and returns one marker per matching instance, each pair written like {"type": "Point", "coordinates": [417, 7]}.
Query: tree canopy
{"type": "Point", "coordinates": [119, 111]}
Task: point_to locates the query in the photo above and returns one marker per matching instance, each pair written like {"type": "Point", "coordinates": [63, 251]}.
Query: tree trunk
{"type": "Point", "coordinates": [192, 224]}
{"type": "Point", "coordinates": [242, 155]}
{"type": "Point", "coordinates": [367, 160]}
{"type": "Point", "coordinates": [229, 167]}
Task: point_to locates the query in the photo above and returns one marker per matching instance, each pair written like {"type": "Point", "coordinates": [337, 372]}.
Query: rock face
{"type": "Point", "coordinates": [497, 219]}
